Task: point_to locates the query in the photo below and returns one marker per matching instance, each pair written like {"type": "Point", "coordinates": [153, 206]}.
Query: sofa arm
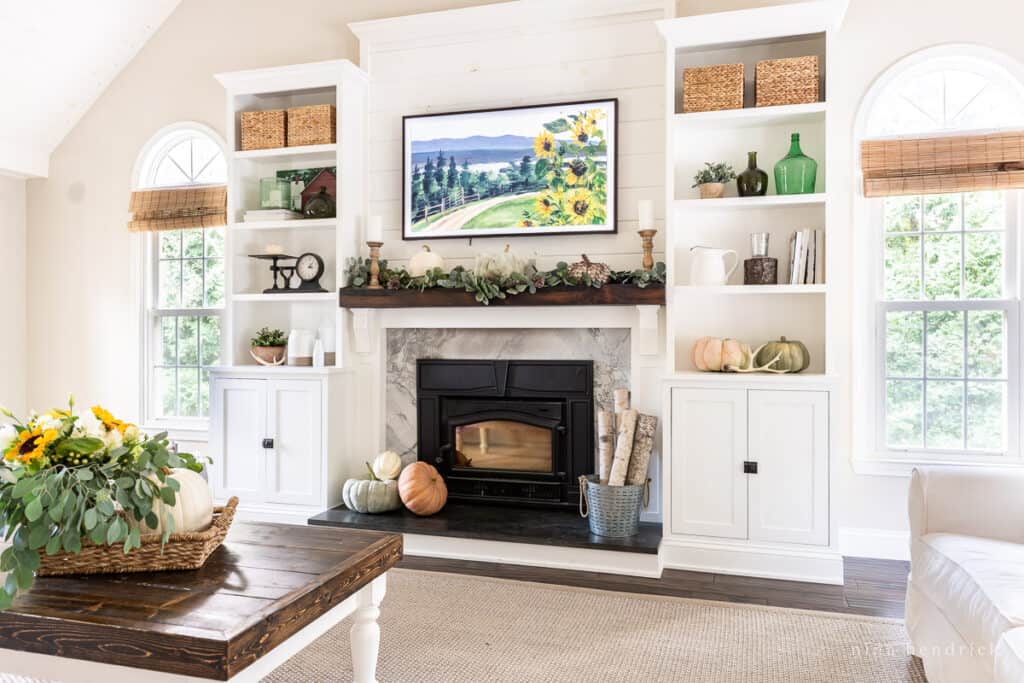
{"type": "Point", "coordinates": [967, 500]}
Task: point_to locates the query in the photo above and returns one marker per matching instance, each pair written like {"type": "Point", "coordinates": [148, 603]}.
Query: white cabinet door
{"type": "Point", "coordinates": [709, 445]}
{"type": "Point", "coordinates": [238, 418]}
{"type": "Point", "coordinates": [789, 442]}
{"type": "Point", "coordinates": [294, 464]}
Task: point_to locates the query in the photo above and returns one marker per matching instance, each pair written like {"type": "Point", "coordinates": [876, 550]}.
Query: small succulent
{"type": "Point", "coordinates": [269, 337]}
{"type": "Point", "coordinates": [714, 173]}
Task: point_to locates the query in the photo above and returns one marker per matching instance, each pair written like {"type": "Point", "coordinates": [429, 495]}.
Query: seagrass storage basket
{"type": "Point", "coordinates": [182, 551]}
{"type": "Point", "coordinates": [313, 125]}
{"type": "Point", "coordinates": [263, 129]}
{"type": "Point", "coordinates": [793, 80]}
{"type": "Point", "coordinates": [711, 88]}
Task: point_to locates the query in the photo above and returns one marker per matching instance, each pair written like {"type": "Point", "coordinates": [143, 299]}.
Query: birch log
{"type": "Point", "coordinates": [621, 398]}
{"type": "Point", "coordinates": [623, 448]}
{"type": "Point", "coordinates": [605, 443]}
{"type": "Point", "coordinates": [643, 446]}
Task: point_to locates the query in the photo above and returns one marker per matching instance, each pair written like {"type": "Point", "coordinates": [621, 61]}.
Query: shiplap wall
{"type": "Point", "coordinates": [564, 59]}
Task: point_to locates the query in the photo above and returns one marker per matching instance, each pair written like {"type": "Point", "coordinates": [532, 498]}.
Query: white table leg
{"type": "Point", "coordinates": [366, 632]}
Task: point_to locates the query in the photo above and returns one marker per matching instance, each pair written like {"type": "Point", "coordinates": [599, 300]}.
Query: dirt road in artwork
{"type": "Point", "coordinates": [456, 220]}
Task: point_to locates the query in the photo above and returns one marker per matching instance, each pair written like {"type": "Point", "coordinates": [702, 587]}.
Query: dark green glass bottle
{"type": "Point", "coordinates": [796, 172]}
{"type": "Point", "coordinates": [753, 182]}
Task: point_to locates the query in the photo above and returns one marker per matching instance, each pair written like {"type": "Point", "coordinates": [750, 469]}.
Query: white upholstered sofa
{"type": "Point", "coordinates": [965, 598]}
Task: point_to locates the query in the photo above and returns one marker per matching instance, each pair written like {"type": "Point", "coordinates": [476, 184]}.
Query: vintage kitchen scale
{"type": "Point", "coordinates": [308, 267]}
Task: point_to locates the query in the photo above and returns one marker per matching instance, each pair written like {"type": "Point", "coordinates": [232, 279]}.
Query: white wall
{"type": "Point", "coordinates": [14, 336]}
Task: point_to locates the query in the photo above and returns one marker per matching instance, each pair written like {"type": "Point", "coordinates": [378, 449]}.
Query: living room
{"type": "Point", "coordinates": [557, 330]}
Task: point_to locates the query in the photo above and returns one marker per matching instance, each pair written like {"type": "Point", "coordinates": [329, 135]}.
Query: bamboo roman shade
{"type": "Point", "coordinates": [965, 163]}
{"type": "Point", "coordinates": [178, 208]}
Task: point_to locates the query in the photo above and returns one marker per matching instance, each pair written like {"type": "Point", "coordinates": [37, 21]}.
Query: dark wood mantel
{"type": "Point", "coordinates": [608, 295]}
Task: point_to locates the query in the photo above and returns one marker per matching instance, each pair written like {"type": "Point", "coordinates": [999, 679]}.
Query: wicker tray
{"type": "Point", "coordinates": [711, 88]}
{"type": "Point", "coordinates": [793, 80]}
{"type": "Point", "coordinates": [263, 129]}
{"type": "Point", "coordinates": [182, 551]}
{"type": "Point", "coordinates": [312, 125]}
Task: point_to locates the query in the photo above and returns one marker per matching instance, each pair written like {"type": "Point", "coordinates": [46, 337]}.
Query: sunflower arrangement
{"type": "Point", "coordinates": [66, 479]}
{"type": "Point", "coordinates": [570, 153]}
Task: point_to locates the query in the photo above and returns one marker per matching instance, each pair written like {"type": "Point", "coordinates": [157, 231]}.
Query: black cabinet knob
{"type": "Point", "coordinates": [268, 443]}
{"type": "Point", "coordinates": [749, 467]}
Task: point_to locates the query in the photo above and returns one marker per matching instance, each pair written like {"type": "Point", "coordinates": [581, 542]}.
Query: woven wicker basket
{"type": "Point", "coordinates": [711, 88]}
{"type": "Point", "coordinates": [313, 125]}
{"type": "Point", "coordinates": [787, 81]}
{"type": "Point", "coordinates": [182, 551]}
{"type": "Point", "coordinates": [264, 129]}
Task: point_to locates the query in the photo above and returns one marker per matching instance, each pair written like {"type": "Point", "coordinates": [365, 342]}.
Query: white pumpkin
{"type": "Point", "coordinates": [424, 261]}
{"type": "Point", "coordinates": [500, 266]}
{"type": "Point", "coordinates": [371, 496]}
{"type": "Point", "coordinates": [193, 504]}
{"type": "Point", "coordinates": [387, 466]}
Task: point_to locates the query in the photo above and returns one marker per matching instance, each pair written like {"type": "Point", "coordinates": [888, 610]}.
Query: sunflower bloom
{"type": "Point", "coordinates": [582, 130]}
{"type": "Point", "coordinates": [575, 172]}
{"type": "Point", "coordinates": [592, 116]}
{"type": "Point", "coordinates": [581, 206]}
{"type": "Point", "coordinates": [110, 423]}
{"type": "Point", "coordinates": [31, 445]}
{"type": "Point", "coordinates": [546, 203]}
{"type": "Point", "coordinates": [527, 223]}
{"type": "Point", "coordinates": [544, 145]}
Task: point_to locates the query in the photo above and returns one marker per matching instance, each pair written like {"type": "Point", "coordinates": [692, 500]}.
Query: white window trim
{"type": "Point", "coordinates": [146, 274]}
{"type": "Point", "coordinates": [867, 338]}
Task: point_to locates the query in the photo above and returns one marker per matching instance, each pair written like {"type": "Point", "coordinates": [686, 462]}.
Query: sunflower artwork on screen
{"type": "Point", "coordinates": [534, 170]}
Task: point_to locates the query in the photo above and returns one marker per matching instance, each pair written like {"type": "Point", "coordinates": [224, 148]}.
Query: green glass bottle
{"type": "Point", "coordinates": [796, 172]}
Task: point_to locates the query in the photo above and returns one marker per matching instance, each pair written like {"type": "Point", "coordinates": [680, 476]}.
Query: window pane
{"type": "Point", "coordinates": [942, 266]}
{"type": "Point", "coordinates": [188, 388]}
{"type": "Point", "coordinates": [215, 242]}
{"type": "Point", "coordinates": [209, 340]}
{"type": "Point", "coordinates": [904, 343]}
{"type": "Point", "coordinates": [986, 349]}
{"type": "Point", "coordinates": [986, 415]}
{"type": "Point", "coordinates": [168, 340]}
{"type": "Point", "coordinates": [945, 426]}
{"type": "Point", "coordinates": [192, 243]}
{"type": "Point", "coordinates": [945, 343]}
{"type": "Point", "coordinates": [192, 285]}
{"type": "Point", "coordinates": [902, 214]}
{"type": "Point", "coordinates": [983, 265]}
{"type": "Point", "coordinates": [167, 390]}
{"type": "Point", "coordinates": [215, 172]}
{"type": "Point", "coordinates": [188, 340]}
{"type": "Point", "coordinates": [985, 210]}
{"type": "Point", "coordinates": [204, 393]}
{"type": "Point", "coordinates": [168, 174]}
{"type": "Point", "coordinates": [942, 212]}
{"type": "Point", "coordinates": [902, 268]}
{"type": "Point", "coordinates": [170, 244]}
{"type": "Point", "coordinates": [169, 295]}
{"type": "Point", "coordinates": [214, 283]}
{"type": "Point", "coordinates": [903, 405]}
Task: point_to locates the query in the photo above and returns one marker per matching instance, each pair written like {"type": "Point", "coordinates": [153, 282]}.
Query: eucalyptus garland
{"type": "Point", "coordinates": [487, 287]}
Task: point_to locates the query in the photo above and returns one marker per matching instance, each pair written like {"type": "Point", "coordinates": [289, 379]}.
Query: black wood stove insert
{"type": "Point", "coordinates": [507, 431]}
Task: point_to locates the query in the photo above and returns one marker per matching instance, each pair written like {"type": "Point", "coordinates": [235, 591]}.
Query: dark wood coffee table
{"type": "Point", "coordinates": [267, 593]}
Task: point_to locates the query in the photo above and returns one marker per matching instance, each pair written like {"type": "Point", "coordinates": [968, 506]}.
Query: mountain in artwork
{"type": "Point", "coordinates": [473, 142]}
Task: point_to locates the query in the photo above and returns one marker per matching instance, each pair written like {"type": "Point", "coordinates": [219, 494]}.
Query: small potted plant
{"type": "Point", "coordinates": [268, 347]}
{"type": "Point", "coordinates": [711, 179]}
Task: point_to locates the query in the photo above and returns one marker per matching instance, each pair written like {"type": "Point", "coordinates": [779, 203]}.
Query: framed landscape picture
{"type": "Point", "coordinates": [537, 170]}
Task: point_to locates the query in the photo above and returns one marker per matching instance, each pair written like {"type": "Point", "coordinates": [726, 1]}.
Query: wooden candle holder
{"type": "Point", "coordinates": [648, 239]}
{"type": "Point", "coordinates": [374, 264]}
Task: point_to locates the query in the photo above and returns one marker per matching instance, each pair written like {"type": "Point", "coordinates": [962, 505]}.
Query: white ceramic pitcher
{"type": "Point", "coordinates": [707, 265]}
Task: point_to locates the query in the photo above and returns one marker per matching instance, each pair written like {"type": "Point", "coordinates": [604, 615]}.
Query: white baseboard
{"type": "Point", "coordinates": [883, 544]}
{"type": "Point", "coordinates": [792, 564]}
{"type": "Point", "coordinates": [554, 557]}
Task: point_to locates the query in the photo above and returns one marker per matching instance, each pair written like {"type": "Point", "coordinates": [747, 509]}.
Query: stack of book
{"type": "Point", "coordinates": [253, 215]}
{"type": "Point", "coordinates": [807, 257]}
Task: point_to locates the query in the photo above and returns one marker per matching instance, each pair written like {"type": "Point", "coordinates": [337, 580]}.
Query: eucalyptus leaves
{"type": "Point", "coordinates": [66, 480]}
{"type": "Point", "coordinates": [489, 285]}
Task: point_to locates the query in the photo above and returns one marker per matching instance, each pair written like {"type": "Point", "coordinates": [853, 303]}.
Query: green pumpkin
{"type": "Point", "coordinates": [371, 495]}
{"type": "Point", "coordinates": [792, 356]}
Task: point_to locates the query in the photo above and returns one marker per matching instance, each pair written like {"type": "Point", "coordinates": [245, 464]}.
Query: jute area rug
{"type": "Point", "coordinates": [453, 628]}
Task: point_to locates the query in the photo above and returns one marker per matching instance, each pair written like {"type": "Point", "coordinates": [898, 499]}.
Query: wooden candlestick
{"type": "Point", "coordinates": [648, 238]}
{"type": "Point", "coordinates": [374, 264]}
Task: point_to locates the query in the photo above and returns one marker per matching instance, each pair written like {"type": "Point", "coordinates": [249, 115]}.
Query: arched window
{"type": "Point", "coordinates": [945, 303]}
{"type": "Point", "coordinates": [184, 276]}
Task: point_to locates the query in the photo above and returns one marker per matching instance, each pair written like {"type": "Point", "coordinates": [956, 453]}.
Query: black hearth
{"type": "Point", "coordinates": [507, 431]}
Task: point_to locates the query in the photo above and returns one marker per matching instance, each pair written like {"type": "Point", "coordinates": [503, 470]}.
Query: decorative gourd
{"type": "Point", "coordinates": [371, 496]}
{"type": "Point", "coordinates": [387, 465]}
{"type": "Point", "coordinates": [783, 356]}
{"type": "Point", "coordinates": [424, 261]}
{"type": "Point", "coordinates": [599, 273]}
{"type": "Point", "coordinates": [500, 266]}
{"type": "Point", "coordinates": [711, 354]}
{"type": "Point", "coordinates": [193, 504]}
{"type": "Point", "coordinates": [735, 355]}
{"type": "Point", "coordinates": [422, 489]}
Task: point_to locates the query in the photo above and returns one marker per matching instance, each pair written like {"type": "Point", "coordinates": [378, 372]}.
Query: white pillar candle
{"type": "Point", "coordinates": [375, 230]}
{"type": "Point", "coordinates": [645, 210]}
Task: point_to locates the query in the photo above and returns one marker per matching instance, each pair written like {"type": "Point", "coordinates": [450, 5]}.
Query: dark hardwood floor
{"type": "Point", "coordinates": [872, 587]}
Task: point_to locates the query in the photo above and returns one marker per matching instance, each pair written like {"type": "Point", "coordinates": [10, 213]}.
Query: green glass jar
{"type": "Point", "coordinates": [796, 172]}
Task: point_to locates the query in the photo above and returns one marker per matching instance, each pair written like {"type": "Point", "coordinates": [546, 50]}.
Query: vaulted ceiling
{"type": "Point", "coordinates": [58, 56]}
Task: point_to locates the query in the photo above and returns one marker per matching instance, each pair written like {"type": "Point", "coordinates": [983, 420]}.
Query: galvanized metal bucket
{"type": "Point", "coordinates": [612, 511]}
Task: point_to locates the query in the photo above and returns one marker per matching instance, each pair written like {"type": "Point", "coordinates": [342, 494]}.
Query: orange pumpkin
{"type": "Point", "coordinates": [422, 489]}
